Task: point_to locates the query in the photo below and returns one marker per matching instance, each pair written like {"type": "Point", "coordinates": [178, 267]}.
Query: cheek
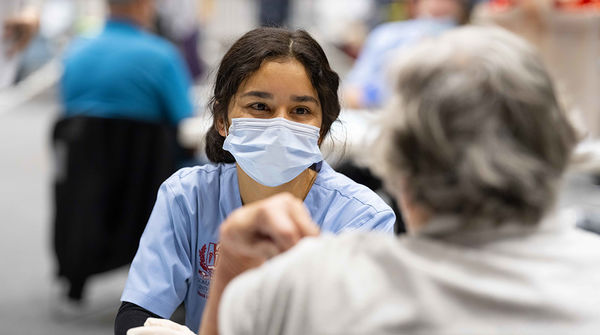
{"type": "Point", "coordinates": [316, 123]}
{"type": "Point", "coordinates": [318, 120]}
{"type": "Point", "coordinates": [234, 111]}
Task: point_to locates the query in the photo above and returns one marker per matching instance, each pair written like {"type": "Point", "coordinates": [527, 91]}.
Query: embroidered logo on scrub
{"type": "Point", "coordinates": [208, 257]}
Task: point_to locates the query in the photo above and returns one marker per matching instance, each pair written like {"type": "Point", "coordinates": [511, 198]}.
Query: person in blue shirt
{"type": "Point", "coordinates": [275, 98]}
{"type": "Point", "coordinates": [366, 85]}
{"type": "Point", "coordinates": [130, 89]}
{"type": "Point", "coordinates": [126, 72]}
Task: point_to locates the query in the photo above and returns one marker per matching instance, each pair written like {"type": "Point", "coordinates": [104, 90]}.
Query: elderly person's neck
{"type": "Point", "coordinates": [415, 215]}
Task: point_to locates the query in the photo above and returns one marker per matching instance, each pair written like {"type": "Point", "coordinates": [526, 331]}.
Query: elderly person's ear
{"type": "Point", "coordinates": [414, 214]}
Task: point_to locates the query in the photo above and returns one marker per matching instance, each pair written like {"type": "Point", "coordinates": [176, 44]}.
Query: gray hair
{"type": "Point", "coordinates": [475, 128]}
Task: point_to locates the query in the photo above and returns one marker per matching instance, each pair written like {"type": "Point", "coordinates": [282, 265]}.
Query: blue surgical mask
{"type": "Point", "coordinates": [273, 151]}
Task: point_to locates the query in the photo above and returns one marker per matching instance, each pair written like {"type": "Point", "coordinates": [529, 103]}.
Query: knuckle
{"type": "Point", "coordinates": [224, 229]}
{"type": "Point", "coordinates": [288, 197]}
{"type": "Point", "coordinates": [288, 236]}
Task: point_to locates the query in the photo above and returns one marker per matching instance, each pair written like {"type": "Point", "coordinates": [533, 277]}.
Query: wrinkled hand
{"type": "Point", "coordinates": [251, 235]}
{"type": "Point", "coordinates": [19, 30]}
{"type": "Point", "coordinates": [259, 231]}
{"type": "Point", "coordinates": [154, 326]}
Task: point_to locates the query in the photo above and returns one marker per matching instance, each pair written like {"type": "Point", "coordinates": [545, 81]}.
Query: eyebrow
{"type": "Point", "coordinates": [258, 94]}
{"type": "Point", "coordinates": [267, 95]}
{"type": "Point", "coordinates": [303, 98]}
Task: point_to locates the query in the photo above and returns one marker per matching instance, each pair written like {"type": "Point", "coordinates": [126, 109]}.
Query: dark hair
{"type": "Point", "coordinates": [246, 56]}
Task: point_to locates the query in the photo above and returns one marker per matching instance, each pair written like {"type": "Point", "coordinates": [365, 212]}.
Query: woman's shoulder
{"type": "Point", "coordinates": [209, 176]}
{"type": "Point", "coordinates": [337, 185]}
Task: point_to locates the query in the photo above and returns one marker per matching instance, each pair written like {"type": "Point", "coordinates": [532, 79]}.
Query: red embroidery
{"type": "Point", "coordinates": [209, 255]}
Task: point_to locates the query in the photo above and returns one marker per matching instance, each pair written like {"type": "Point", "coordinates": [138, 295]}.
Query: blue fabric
{"type": "Point", "coordinates": [179, 247]}
{"type": "Point", "coordinates": [126, 73]}
{"type": "Point", "coordinates": [370, 69]}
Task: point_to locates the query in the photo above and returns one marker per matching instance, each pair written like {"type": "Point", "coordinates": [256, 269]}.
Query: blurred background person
{"type": "Point", "coordinates": [365, 86]}
{"type": "Point", "coordinates": [123, 93]}
{"type": "Point", "coordinates": [567, 34]}
{"type": "Point", "coordinates": [19, 23]}
{"type": "Point", "coordinates": [475, 144]}
{"type": "Point", "coordinates": [178, 21]}
{"type": "Point", "coordinates": [273, 13]}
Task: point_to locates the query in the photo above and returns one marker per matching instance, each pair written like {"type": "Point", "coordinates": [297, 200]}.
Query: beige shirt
{"type": "Point", "coordinates": [515, 281]}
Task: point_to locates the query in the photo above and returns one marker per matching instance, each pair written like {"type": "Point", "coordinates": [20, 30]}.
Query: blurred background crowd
{"type": "Point", "coordinates": [58, 58]}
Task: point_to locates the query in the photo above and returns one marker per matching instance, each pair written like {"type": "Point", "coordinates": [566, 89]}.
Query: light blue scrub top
{"type": "Point", "coordinates": [179, 248]}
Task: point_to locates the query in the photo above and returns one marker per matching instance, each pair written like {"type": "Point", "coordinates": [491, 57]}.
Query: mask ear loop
{"type": "Point", "coordinates": [225, 127]}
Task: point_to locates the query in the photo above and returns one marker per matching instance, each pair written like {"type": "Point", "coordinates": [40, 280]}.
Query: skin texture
{"type": "Point", "coordinates": [415, 215]}
{"type": "Point", "coordinates": [139, 11]}
{"type": "Point", "coordinates": [286, 81]}
{"type": "Point", "coordinates": [279, 88]}
{"type": "Point", "coordinates": [438, 8]}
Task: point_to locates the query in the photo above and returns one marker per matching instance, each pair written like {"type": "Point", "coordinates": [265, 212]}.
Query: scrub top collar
{"type": "Point", "coordinates": [230, 201]}
{"type": "Point", "coordinates": [317, 167]}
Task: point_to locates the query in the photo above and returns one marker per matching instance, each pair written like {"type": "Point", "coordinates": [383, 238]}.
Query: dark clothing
{"type": "Point", "coordinates": [131, 316]}
{"type": "Point", "coordinates": [108, 174]}
{"type": "Point", "coordinates": [274, 13]}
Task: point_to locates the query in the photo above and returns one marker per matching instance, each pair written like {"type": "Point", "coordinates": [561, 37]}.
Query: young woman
{"type": "Point", "coordinates": [275, 99]}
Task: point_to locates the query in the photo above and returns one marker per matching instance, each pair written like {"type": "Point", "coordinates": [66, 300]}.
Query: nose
{"type": "Point", "coordinates": [281, 111]}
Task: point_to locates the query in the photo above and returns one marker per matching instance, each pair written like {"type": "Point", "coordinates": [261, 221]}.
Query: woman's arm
{"type": "Point", "coordinates": [130, 316]}
{"type": "Point", "coordinates": [159, 274]}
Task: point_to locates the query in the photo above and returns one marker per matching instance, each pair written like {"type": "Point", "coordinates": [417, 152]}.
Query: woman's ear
{"type": "Point", "coordinates": [221, 127]}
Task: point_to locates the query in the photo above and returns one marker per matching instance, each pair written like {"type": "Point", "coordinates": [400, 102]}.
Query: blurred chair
{"type": "Point", "coordinates": [108, 172]}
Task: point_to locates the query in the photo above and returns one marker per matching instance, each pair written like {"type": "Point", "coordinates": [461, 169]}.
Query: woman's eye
{"type": "Point", "coordinates": [301, 110]}
{"type": "Point", "coordinates": [259, 106]}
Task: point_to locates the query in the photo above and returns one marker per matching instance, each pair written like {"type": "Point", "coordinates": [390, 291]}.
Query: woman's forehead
{"type": "Point", "coordinates": [280, 76]}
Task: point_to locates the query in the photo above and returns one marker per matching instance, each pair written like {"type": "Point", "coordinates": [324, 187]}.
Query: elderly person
{"type": "Point", "coordinates": [474, 145]}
